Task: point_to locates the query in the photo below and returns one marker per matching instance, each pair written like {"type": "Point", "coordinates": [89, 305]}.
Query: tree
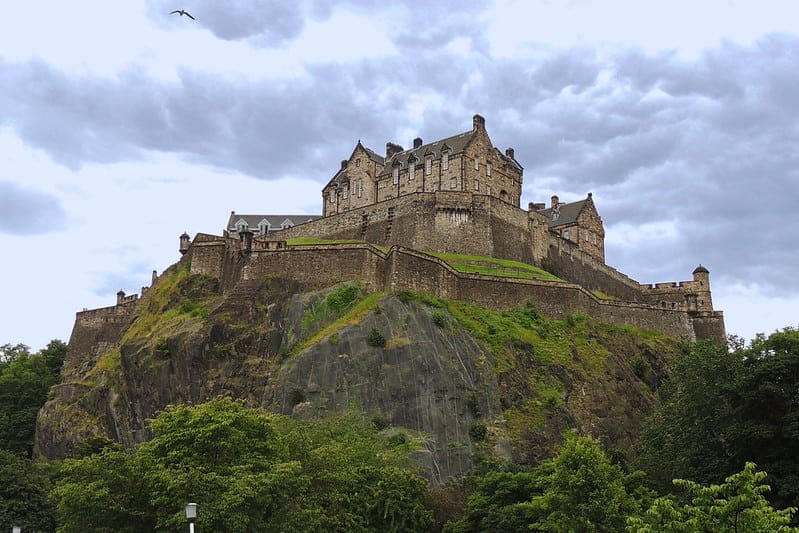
{"type": "Point", "coordinates": [248, 470]}
{"type": "Point", "coordinates": [725, 407]}
{"type": "Point", "coordinates": [25, 381]}
{"type": "Point", "coordinates": [737, 505]}
{"type": "Point", "coordinates": [24, 488]}
{"type": "Point", "coordinates": [579, 490]}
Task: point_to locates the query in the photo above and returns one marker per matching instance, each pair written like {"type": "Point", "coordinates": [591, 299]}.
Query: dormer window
{"type": "Point", "coordinates": [345, 192]}
{"type": "Point", "coordinates": [286, 224]}
{"type": "Point", "coordinates": [411, 170]}
{"type": "Point", "coordinates": [241, 225]}
{"type": "Point", "coordinates": [395, 175]}
{"type": "Point", "coordinates": [428, 166]}
{"type": "Point", "coordinates": [332, 197]}
{"type": "Point", "coordinates": [445, 161]}
{"type": "Point", "coordinates": [263, 227]}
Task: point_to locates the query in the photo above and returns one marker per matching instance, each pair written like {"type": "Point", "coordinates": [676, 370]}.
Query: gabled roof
{"type": "Point", "coordinates": [568, 213]}
{"type": "Point", "coordinates": [455, 144]}
{"type": "Point", "coordinates": [275, 221]}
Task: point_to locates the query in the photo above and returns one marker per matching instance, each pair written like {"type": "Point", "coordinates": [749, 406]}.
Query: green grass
{"type": "Point", "coordinates": [352, 317]}
{"type": "Point", "coordinates": [603, 295]}
{"type": "Point", "coordinates": [475, 264]}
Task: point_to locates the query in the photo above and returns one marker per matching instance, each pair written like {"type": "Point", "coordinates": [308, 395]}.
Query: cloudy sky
{"type": "Point", "coordinates": [121, 127]}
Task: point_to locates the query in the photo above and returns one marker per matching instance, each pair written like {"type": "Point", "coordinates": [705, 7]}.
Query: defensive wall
{"type": "Point", "coordinates": [444, 221]}
{"type": "Point", "coordinates": [316, 266]}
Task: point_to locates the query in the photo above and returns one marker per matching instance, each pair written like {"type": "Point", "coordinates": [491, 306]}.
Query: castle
{"type": "Point", "coordinates": [460, 195]}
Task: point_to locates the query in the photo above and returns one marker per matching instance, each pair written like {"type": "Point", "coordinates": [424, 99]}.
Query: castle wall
{"type": "Point", "coordinates": [95, 332]}
{"type": "Point", "coordinates": [446, 221]}
{"type": "Point", "coordinates": [317, 266]}
{"type": "Point", "coordinates": [567, 261]}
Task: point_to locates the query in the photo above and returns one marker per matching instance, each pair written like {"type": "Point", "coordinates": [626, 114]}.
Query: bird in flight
{"type": "Point", "coordinates": [182, 12]}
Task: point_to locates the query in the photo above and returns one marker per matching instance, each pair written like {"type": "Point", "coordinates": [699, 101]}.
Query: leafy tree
{"type": "Point", "coordinates": [737, 505]}
{"type": "Point", "coordinates": [248, 470]}
{"type": "Point", "coordinates": [25, 381]}
{"type": "Point", "coordinates": [723, 408]}
{"type": "Point", "coordinates": [579, 490]}
{"type": "Point", "coordinates": [24, 488]}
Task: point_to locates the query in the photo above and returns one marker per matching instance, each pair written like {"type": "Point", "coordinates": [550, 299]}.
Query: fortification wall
{"type": "Point", "coordinates": [317, 266]}
{"type": "Point", "coordinates": [95, 332]}
{"type": "Point", "coordinates": [445, 221]}
{"type": "Point", "coordinates": [566, 261]}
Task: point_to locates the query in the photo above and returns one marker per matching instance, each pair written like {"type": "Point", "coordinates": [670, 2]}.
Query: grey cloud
{"type": "Point", "coordinates": [28, 212]}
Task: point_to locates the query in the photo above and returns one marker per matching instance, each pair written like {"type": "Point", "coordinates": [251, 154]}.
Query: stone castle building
{"type": "Point", "coordinates": [458, 195]}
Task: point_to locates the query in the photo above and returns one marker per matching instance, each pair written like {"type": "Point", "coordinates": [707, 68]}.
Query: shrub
{"type": "Point", "coordinates": [439, 319]}
{"type": "Point", "coordinates": [478, 432]}
{"type": "Point", "coordinates": [473, 404]}
{"type": "Point", "coordinates": [379, 422]}
{"type": "Point", "coordinates": [334, 339]}
{"type": "Point", "coordinates": [639, 367]}
{"type": "Point", "coordinates": [298, 396]}
{"type": "Point", "coordinates": [375, 338]}
{"type": "Point", "coordinates": [162, 349]}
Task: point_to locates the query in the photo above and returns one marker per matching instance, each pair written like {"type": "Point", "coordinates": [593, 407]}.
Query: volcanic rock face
{"type": "Point", "coordinates": [457, 379]}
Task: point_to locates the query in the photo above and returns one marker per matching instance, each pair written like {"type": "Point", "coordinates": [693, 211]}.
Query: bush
{"type": "Point", "coordinates": [375, 338]}
{"type": "Point", "coordinates": [379, 422]}
{"type": "Point", "coordinates": [298, 396]}
{"type": "Point", "coordinates": [478, 432]}
{"type": "Point", "coordinates": [639, 367]}
{"type": "Point", "coordinates": [439, 319]}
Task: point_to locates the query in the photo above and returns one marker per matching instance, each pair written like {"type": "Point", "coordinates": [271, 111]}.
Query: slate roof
{"type": "Point", "coordinates": [456, 145]}
{"type": "Point", "coordinates": [568, 213]}
{"type": "Point", "coordinates": [275, 221]}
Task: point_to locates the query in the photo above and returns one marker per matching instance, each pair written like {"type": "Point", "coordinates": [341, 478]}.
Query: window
{"type": "Point", "coordinates": [332, 197]}
{"type": "Point", "coordinates": [357, 163]}
{"type": "Point", "coordinates": [411, 170]}
{"type": "Point", "coordinates": [476, 185]}
{"type": "Point", "coordinates": [360, 188]}
{"type": "Point", "coordinates": [566, 234]}
{"type": "Point", "coordinates": [345, 192]}
{"type": "Point", "coordinates": [476, 164]}
{"type": "Point", "coordinates": [428, 166]}
{"type": "Point", "coordinates": [263, 227]}
{"type": "Point", "coordinates": [453, 183]}
{"type": "Point", "coordinates": [435, 187]}
{"type": "Point", "coordinates": [488, 169]}
{"type": "Point", "coordinates": [396, 175]}
{"type": "Point", "coordinates": [488, 190]}
{"type": "Point", "coordinates": [445, 161]}
{"type": "Point", "coordinates": [241, 226]}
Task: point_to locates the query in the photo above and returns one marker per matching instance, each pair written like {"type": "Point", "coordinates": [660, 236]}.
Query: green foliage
{"type": "Point", "coordinates": [738, 504]}
{"type": "Point", "coordinates": [333, 306]}
{"type": "Point", "coordinates": [248, 470]}
{"type": "Point", "coordinates": [439, 319]}
{"type": "Point", "coordinates": [161, 349]}
{"type": "Point", "coordinates": [725, 407]}
{"type": "Point", "coordinates": [298, 396]}
{"type": "Point", "coordinates": [25, 380]}
{"type": "Point", "coordinates": [375, 338]}
{"type": "Point", "coordinates": [478, 432]}
{"type": "Point", "coordinates": [379, 422]}
{"type": "Point", "coordinates": [24, 488]}
{"type": "Point", "coordinates": [640, 367]}
{"type": "Point", "coordinates": [579, 490]}
{"type": "Point", "coordinates": [473, 404]}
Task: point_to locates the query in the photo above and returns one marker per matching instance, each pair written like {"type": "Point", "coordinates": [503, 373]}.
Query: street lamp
{"type": "Point", "coordinates": [191, 515]}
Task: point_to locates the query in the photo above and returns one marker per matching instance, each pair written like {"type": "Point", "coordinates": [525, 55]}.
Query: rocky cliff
{"type": "Point", "coordinates": [461, 381]}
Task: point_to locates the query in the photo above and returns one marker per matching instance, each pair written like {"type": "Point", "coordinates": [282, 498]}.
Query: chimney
{"type": "Point", "coordinates": [590, 196]}
{"type": "Point", "coordinates": [417, 143]}
{"type": "Point", "coordinates": [392, 149]}
{"type": "Point", "coordinates": [509, 152]}
{"type": "Point", "coordinates": [555, 201]}
{"type": "Point", "coordinates": [478, 123]}
{"type": "Point", "coordinates": [185, 241]}
{"type": "Point", "coordinates": [343, 164]}
{"type": "Point", "coordinates": [155, 278]}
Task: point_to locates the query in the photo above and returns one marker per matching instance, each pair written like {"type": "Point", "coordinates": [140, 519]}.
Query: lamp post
{"type": "Point", "coordinates": [191, 515]}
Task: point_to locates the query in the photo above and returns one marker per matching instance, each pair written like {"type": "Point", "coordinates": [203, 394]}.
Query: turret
{"type": "Point", "coordinates": [245, 237]}
{"type": "Point", "coordinates": [184, 243]}
{"type": "Point", "coordinates": [120, 297]}
{"type": "Point", "coordinates": [702, 280]}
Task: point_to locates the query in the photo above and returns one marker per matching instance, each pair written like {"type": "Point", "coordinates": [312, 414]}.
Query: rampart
{"type": "Point", "coordinates": [444, 221]}
{"type": "Point", "coordinates": [315, 266]}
